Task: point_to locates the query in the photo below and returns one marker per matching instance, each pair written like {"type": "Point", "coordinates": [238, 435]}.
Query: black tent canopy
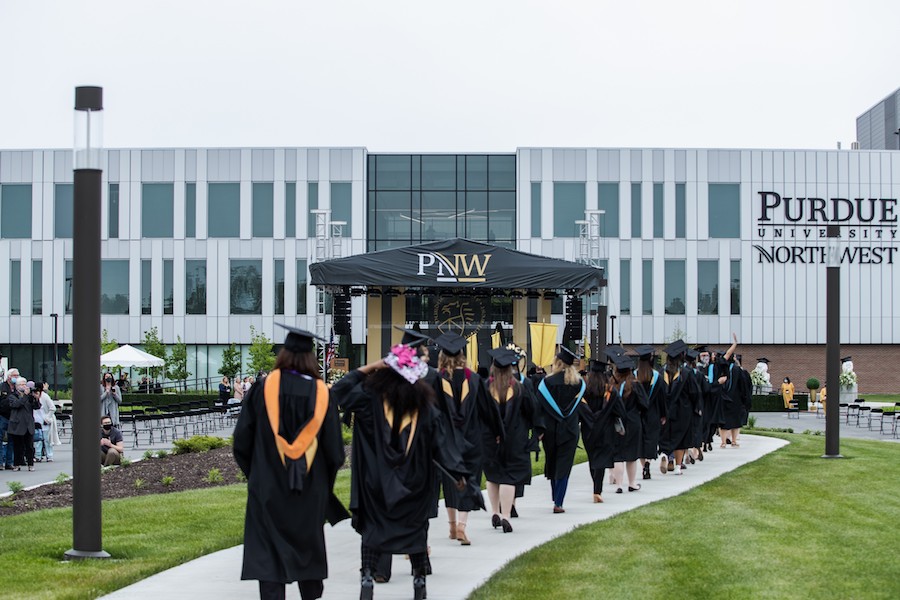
{"type": "Point", "coordinates": [457, 263]}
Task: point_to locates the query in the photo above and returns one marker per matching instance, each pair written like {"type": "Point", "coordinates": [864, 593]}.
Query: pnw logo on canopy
{"type": "Point", "coordinates": [459, 268]}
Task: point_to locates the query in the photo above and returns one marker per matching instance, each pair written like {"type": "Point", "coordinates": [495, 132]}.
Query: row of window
{"type": "Point", "coordinates": [158, 209]}
{"type": "Point", "coordinates": [723, 213]}
{"type": "Point", "coordinates": [675, 287]}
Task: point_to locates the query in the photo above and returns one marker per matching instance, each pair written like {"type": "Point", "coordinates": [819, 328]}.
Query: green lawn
{"type": "Point", "coordinates": [751, 533]}
{"type": "Point", "coordinates": [880, 397]}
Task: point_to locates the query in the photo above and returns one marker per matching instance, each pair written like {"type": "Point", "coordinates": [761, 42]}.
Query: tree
{"type": "Point", "coordinates": [261, 351]}
{"type": "Point", "coordinates": [176, 363]}
{"type": "Point", "coordinates": [153, 345]}
{"type": "Point", "coordinates": [231, 361]}
{"type": "Point", "coordinates": [106, 345]}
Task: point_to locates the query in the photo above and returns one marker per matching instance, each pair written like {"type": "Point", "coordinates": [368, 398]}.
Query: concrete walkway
{"type": "Point", "coordinates": [457, 570]}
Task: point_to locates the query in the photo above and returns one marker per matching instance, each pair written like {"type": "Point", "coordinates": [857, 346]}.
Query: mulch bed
{"type": "Point", "coordinates": [189, 471]}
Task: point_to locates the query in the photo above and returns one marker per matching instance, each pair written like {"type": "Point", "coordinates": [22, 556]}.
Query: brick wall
{"type": "Point", "coordinates": [875, 366]}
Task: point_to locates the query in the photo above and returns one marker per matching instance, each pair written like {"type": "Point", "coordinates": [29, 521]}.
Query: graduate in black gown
{"type": "Point", "coordinates": [683, 398]}
{"type": "Point", "coordinates": [711, 393]}
{"type": "Point", "coordinates": [538, 431]}
{"type": "Point", "coordinates": [654, 417]}
{"type": "Point", "coordinates": [507, 457]}
{"type": "Point", "coordinates": [558, 395]}
{"type": "Point", "coordinates": [461, 398]}
{"type": "Point", "coordinates": [731, 414]}
{"type": "Point", "coordinates": [695, 451]}
{"type": "Point", "coordinates": [398, 434]}
{"type": "Point", "coordinates": [599, 408]}
{"type": "Point", "coordinates": [287, 441]}
{"type": "Point", "coordinates": [635, 400]}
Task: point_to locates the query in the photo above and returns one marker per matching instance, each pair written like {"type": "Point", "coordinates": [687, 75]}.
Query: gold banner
{"type": "Point", "coordinates": [543, 343]}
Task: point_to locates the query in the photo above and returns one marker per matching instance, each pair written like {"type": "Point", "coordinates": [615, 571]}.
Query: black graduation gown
{"type": "Point", "coordinates": [598, 432]}
{"type": "Point", "coordinates": [697, 431]}
{"type": "Point", "coordinates": [635, 404]}
{"type": "Point", "coordinates": [561, 431]}
{"type": "Point", "coordinates": [683, 398]}
{"type": "Point", "coordinates": [466, 418]}
{"type": "Point", "coordinates": [284, 539]}
{"type": "Point", "coordinates": [732, 416]}
{"type": "Point", "coordinates": [509, 462]}
{"type": "Point", "coordinates": [746, 395]}
{"type": "Point", "coordinates": [391, 488]}
{"type": "Point", "coordinates": [711, 392]}
{"type": "Point", "coordinates": [656, 409]}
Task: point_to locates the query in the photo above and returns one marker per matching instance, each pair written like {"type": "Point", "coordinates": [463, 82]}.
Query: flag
{"type": "Point", "coordinates": [587, 349]}
{"type": "Point", "coordinates": [472, 351]}
{"type": "Point", "coordinates": [329, 350]}
{"type": "Point", "coordinates": [543, 343]}
{"type": "Point", "coordinates": [495, 340]}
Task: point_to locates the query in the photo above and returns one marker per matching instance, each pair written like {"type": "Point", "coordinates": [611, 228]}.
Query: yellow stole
{"type": "Point", "coordinates": [666, 376]}
{"type": "Point", "coordinates": [305, 442]}
{"type": "Point", "coordinates": [408, 420]}
{"type": "Point", "coordinates": [448, 389]}
{"type": "Point", "coordinates": [509, 395]}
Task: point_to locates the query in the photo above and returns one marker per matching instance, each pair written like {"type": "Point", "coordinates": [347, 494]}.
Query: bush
{"type": "Point", "coordinates": [61, 478]}
{"type": "Point", "coordinates": [148, 454]}
{"type": "Point", "coordinates": [126, 462]}
{"type": "Point", "coordinates": [15, 486]}
{"type": "Point", "coordinates": [199, 443]}
{"type": "Point", "coordinates": [138, 483]}
{"type": "Point", "coordinates": [167, 480]}
{"type": "Point", "coordinates": [162, 453]}
{"type": "Point", "coordinates": [775, 403]}
{"type": "Point", "coordinates": [241, 477]}
{"type": "Point", "coordinates": [812, 383]}
{"type": "Point", "coordinates": [214, 476]}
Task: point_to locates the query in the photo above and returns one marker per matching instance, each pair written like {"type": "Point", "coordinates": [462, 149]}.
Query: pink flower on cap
{"type": "Point", "coordinates": [404, 361]}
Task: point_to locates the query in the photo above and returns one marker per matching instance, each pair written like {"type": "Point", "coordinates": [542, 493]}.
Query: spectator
{"type": "Point", "coordinates": [7, 387]}
{"type": "Point", "coordinates": [123, 383]}
{"type": "Point", "coordinates": [21, 424]}
{"type": "Point", "coordinates": [112, 444]}
{"type": "Point", "coordinates": [225, 390]}
{"type": "Point", "coordinates": [144, 386]}
{"type": "Point", "coordinates": [39, 440]}
{"type": "Point", "coordinates": [51, 429]}
{"type": "Point", "coordinates": [238, 391]}
{"type": "Point", "coordinates": [248, 381]}
{"type": "Point", "coordinates": [110, 398]}
{"type": "Point", "coordinates": [787, 392]}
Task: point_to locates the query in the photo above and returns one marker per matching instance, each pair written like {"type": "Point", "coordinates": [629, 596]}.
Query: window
{"type": "Point", "coordinates": [157, 210]}
{"type": "Point", "coordinates": [647, 285]}
{"type": "Point", "coordinates": [675, 287]}
{"type": "Point", "coordinates": [502, 212]}
{"type": "Point", "coordinates": [246, 287]}
{"type": "Point", "coordinates": [501, 172]}
{"type": "Point", "coordinates": [568, 207]}
{"type": "Point", "coordinates": [62, 210]}
{"type": "Point", "coordinates": [190, 210]}
{"type": "Point", "coordinates": [263, 210]}
{"type": "Point", "coordinates": [224, 210]}
{"type": "Point", "coordinates": [625, 286]}
{"type": "Point", "coordinates": [608, 201]}
{"type": "Point", "coordinates": [195, 287]}
{"type": "Point", "coordinates": [15, 211]}
{"type": "Point", "coordinates": [658, 214]}
{"type": "Point", "coordinates": [724, 210]}
{"type": "Point", "coordinates": [67, 287]}
{"type": "Point", "coordinates": [439, 172]}
{"type": "Point", "coordinates": [635, 210]}
{"type": "Point", "coordinates": [680, 211]}
{"type": "Point", "coordinates": [15, 287]}
{"type": "Point", "coordinates": [112, 226]}
{"type": "Point", "coordinates": [37, 287]}
{"type": "Point", "coordinates": [342, 204]}
{"type": "Point", "coordinates": [168, 287]}
{"type": "Point", "coordinates": [301, 287]}
{"type": "Point", "coordinates": [735, 287]}
{"type": "Point", "coordinates": [146, 287]}
{"type": "Point", "coordinates": [114, 287]}
{"type": "Point", "coordinates": [312, 200]}
{"type": "Point", "coordinates": [536, 209]}
{"type": "Point", "coordinates": [290, 210]}
{"type": "Point", "coordinates": [707, 287]}
{"type": "Point", "coordinates": [279, 287]}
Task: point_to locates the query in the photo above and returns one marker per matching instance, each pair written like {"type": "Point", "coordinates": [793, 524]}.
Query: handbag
{"type": "Point", "coordinates": [619, 426]}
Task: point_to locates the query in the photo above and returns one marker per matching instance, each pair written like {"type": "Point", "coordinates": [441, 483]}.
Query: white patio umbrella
{"type": "Point", "coordinates": [129, 356]}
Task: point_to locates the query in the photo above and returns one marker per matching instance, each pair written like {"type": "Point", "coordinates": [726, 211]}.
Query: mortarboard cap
{"type": "Point", "coordinates": [299, 340]}
{"type": "Point", "coordinates": [700, 349]}
{"type": "Point", "coordinates": [411, 337]}
{"type": "Point", "coordinates": [845, 359]}
{"type": "Point", "coordinates": [763, 360]}
{"type": "Point", "coordinates": [451, 343]}
{"type": "Point", "coordinates": [645, 351]}
{"type": "Point", "coordinates": [692, 354]}
{"type": "Point", "coordinates": [613, 351]}
{"type": "Point", "coordinates": [597, 366]}
{"type": "Point", "coordinates": [566, 356]}
{"type": "Point", "coordinates": [623, 362]}
{"type": "Point", "coordinates": [676, 348]}
{"type": "Point", "coordinates": [739, 357]}
{"type": "Point", "coordinates": [503, 357]}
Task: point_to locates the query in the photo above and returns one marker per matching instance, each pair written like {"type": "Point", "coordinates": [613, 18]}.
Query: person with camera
{"type": "Point", "coordinates": [112, 444]}
{"type": "Point", "coordinates": [7, 387]}
{"type": "Point", "coordinates": [22, 404]}
{"type": "Point", "coordinates": [110, 398]}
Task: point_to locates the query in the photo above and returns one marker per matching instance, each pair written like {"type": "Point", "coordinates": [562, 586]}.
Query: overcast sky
{"type": "Point", "coordinates": [461, 75]}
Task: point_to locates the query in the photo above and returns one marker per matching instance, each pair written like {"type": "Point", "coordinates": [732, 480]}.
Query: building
{"type": "Point", "coordinates": [878, 127]}
{"type": "Point", "coordinates": [699, 243]}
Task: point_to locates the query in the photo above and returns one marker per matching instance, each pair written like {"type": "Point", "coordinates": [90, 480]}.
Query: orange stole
{"type": "Point", "coordinates": [306, 442]}
{"type": "Point", "coordinates": [407, 420]}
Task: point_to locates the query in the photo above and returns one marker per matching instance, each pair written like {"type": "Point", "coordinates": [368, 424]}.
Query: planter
{"type": "Point", "coordinates": [849, 394]}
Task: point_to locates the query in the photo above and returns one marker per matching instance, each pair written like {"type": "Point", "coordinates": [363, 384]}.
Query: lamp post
{"type": "Point", "coordinates": [897, 133]}
{"type": "Point", "coordinates": [55, 318]}
{"type": "Point", "coordinates": [86, 506]}
{"type": "Point", "coordinates": [612, 330]}
{"type": "Point", "coordinates": [833, 342]}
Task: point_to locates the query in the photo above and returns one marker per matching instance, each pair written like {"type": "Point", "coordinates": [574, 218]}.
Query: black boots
{"type": "Point", "coordinates": [419, 592]}
{"type": "Point", "coordinates": [646, 470]}
{"type": "Point", "coordinates": [366, 584]}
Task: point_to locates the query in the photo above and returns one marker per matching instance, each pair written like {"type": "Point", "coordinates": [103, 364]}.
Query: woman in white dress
{"type": "Point", "coordinates": [51, 429]}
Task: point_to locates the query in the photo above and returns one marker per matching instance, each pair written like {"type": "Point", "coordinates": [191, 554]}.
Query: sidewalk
{"type": "Point", "coordinates": [218, 575]}
{"type": "Point", "coordinates": [809, 421]}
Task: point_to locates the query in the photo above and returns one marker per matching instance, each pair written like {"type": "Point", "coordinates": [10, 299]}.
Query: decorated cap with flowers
{"type": "Point", "coordinates": [403, 360]}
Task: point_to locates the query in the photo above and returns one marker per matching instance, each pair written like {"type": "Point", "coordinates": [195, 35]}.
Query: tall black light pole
{"type": "Point", "coordinates": [86, 506]}
{"type": "Point", "coordinates": [833, 343]}
{"type": "Point", "coordinates": [612, 329]}
{"type": "Point", "coordinates": [897, 133]}
{"type": "Point", "coordinates": [55, 318]}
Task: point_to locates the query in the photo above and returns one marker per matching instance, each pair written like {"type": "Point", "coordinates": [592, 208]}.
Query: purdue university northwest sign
{"type": "Point", "coordinates": [794, 230]}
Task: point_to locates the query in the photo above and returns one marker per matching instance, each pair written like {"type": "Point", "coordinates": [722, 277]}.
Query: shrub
{"type": "Point", "coordinates": [126, 462]}
{"type": "Point", "coordinates": [162, 453]}
{"type": "Point", "coordinates": [167, 480]}
{"type": "Point", "coordinates": [241, 477]}
{"type": "Point", "coordinates": [751, 421]}
{"type": "Point", "coordinates": [812, 383]}
{"type": "Point", "coordinates": [61, 478]}
{"type": "Point", "coordinates": [214, 476]}
{"type": "Point", "coordinates": [15, 486]}
{"type": "Point", "coordinates": [148, 454]}
{"type": "Point", "coordinates": [199, 443]}
{"type": "Point", "coordinates": [138, 483]}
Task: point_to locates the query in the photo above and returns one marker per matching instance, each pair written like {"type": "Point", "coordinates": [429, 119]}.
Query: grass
{"type": "Point", "coordinates": [748, 534]}
{"type": "Point", "coordinates": [880, 397]}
